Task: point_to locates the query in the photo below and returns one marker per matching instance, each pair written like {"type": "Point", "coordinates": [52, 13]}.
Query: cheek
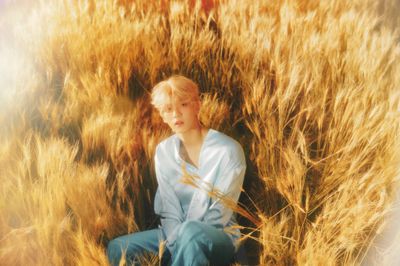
{"type": "Point", "coordinates": [193, 116]}
{"type": "Point", "coordinates": [190, 113]}
{"type": "Point", "coordinates": [164, 119]}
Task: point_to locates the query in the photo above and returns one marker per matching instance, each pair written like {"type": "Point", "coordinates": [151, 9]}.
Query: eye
{"type": "Point", "coordinates": [184, 104]}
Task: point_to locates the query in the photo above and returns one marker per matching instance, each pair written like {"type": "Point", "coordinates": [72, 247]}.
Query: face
{"type": "Point", "coordinates": [181, 115]}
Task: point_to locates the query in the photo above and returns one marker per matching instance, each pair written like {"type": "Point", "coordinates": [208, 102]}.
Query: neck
{"type": "Point", "coordinates": [193, 137]}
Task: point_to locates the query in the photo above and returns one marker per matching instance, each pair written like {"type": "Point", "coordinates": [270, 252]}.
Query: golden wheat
{"type": "Point", "coordinates": [309, 88]}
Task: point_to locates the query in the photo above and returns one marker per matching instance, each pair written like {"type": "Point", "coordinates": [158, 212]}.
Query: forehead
{"type": "Point", "coordinates": [168, 100]}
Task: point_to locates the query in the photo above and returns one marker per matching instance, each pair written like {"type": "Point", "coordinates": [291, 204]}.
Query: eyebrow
{"type": "Point", "coordinates": [179, 102]}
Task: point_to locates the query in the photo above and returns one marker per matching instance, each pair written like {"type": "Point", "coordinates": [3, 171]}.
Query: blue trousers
{"type": "Point", "coordinates": [197, 244]}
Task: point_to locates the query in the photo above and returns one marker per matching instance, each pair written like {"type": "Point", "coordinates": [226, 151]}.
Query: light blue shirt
{"type": "Point", "coordinates": [222, 167]}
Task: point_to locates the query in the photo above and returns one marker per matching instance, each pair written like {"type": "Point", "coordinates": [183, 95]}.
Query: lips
{"type": "Point", "coordinates": [178, 123]}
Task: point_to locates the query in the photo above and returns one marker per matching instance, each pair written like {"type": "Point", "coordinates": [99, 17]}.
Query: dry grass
{"type": "Point", "coordinates": [309, 88]}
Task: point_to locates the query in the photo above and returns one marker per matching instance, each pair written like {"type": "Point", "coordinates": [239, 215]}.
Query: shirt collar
{"type": "Point", "coordinates": [176, 145]}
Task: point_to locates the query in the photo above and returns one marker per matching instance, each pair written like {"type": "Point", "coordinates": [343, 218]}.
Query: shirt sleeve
{"type": "Point", "coordinates": [167, 205]}
{"type": "Point", "coordinates": [229, 184]}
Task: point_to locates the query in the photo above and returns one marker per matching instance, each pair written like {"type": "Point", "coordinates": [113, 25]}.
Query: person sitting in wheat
{"type": "Point", "coordinates": [192, 222]}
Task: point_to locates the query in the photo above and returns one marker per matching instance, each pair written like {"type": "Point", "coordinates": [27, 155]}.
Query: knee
{"type": "Point", "coordinates": [189, 232]}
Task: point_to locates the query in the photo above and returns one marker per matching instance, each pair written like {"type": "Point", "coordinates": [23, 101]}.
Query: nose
{"type": "Point", "coordinates": [176, 111]}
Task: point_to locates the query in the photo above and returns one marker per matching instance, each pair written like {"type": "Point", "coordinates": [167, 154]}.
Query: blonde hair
{"type": "Point", "coordinates": [176, 86]}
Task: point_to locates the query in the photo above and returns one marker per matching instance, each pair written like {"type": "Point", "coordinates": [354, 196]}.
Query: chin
{"type": "Point", "coordinates": [180, 129]}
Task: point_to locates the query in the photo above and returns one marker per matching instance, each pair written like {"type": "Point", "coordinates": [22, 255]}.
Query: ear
{"type": "Point", "coordinates": [198, 105]}
{"type": "Point", "coordinates": [161, 115]}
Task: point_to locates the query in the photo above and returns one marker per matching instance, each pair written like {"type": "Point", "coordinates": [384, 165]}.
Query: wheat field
{"type": "Point", "coordinates": [309, 88]}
